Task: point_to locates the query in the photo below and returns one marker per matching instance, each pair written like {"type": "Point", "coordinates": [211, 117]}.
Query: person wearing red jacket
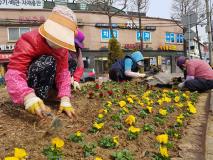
{"type": "Point", "coordinates": [76, 65]}
{"type": "Point", "coordinates": [40, 59]}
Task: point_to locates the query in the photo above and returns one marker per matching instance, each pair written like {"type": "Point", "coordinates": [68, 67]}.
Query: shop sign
{"type": "Point", "coordinates": [21, 4]}
{"type": "Point", "coordinates": [7, 47]}
{"type": "Point", "coordinates": [168, 48]}
{"type": "Point", "coordinates": [132, 46]}
{"type": "Point", "coordinates": [125, 26]}
{"type": "Point", "coordinates": [5, 56]}
{"type": "Point", "coordinates": [105, 34]}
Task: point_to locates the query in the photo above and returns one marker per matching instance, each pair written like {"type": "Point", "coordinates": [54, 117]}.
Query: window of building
{"type": "Point", "coordinates": [170, 37]}
{"type": "Point", "coordinates": [15, 32]}
{"type": "Point", "coordinates": [179, 38]}
{"type": "Point", "coordinates": [146, 36]}
{"type": "Point", "coordinates": [105, 34]}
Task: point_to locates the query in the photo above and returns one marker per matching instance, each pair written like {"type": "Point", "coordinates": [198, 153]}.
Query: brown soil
{"type": "Point", "coordinates": [20, 129]}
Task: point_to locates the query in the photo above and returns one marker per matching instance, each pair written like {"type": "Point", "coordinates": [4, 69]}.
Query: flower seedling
{"type": "Point", "coordinates": [117, 117]}
{"type": "Point", "coordinates": [144, 113]}
{"type": "Point", "coordinates": [96, 127]}
{"type": "Point", "coordinates": [133, 133]}
{"type": "Point", "coordinates": [54, 151]}
{"type": "Point", "coordinates": [159, 120]}
{"type": "Point", "coordinates": [122, 155]}
{"type": "Point", "coordinates": [148, 128]}
{"type": "Point", "coordinates": [76, 137]}
{"type": "Point", "coordinates": [118, 126]}
{"type": "Point", "coordinates": [108, 142]}
{"type": "Point", "coordinates": [88, 150]}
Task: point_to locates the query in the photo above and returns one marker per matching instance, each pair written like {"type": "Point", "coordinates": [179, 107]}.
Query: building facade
{"type": "Point", "coordinates": [158, 34]}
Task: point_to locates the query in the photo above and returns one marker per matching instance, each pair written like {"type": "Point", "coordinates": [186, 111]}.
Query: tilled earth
{"type": "Point", "coordinates": [20, 129]}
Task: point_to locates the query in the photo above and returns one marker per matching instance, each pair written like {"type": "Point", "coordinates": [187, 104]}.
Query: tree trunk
{"type": "Point", "coordinates": [184, 44]}
{"type": "Point", "coordinates": [198, 40]}
{"type": "Point", "coordinates": [141, 32]}
{"type": "Point", "coordinates": [110, 26]}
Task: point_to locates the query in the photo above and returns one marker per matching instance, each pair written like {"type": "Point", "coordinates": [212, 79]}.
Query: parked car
{"type": "Point", "coordinates": [88, 75]}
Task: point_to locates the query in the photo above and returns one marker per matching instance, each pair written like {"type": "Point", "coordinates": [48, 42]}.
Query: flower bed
{"type": "Point", "coordinates": [115, 121]}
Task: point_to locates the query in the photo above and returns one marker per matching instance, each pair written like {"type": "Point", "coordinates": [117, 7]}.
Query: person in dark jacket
{"type": "Point", "coordinates": [127, 68]}
{"type": "Point", "coordinates": [199, 74]}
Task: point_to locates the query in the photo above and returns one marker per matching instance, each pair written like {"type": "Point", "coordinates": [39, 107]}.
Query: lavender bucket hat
{"type": "Point", "coordinates": [79, 39]}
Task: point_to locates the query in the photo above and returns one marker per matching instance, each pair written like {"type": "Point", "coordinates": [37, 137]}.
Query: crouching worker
{"type": "Point", "coordinates": [76, 64]}
{"type": "Point", "coordinates": [127, 68]}
{"type": "Point", "coordinates": [199, 74]}
{"type": "Point", "coordinates": [40, 60]}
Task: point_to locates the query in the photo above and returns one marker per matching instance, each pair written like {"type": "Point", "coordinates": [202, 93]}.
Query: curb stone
{"type": "Point", "coordinates": [209, 130]}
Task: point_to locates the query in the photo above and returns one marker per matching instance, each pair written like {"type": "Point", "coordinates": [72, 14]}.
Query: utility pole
{"type": "Point", "coordinates": [209, 31]}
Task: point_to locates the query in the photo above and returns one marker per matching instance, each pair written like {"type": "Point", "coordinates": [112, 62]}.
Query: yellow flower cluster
{"type": "Point", "coordinates": [164, 151]}
{"type": "Point", "coordinates": [180, 119]}
{"type": "Point", "coordinates": [100, 116]}
{"type": "Point", "coordinates": [149, 109]}
{"type": "Point", "coordinates": [122, 103]}
{"type": "Point", "coordinates": [98, 125]}
{"type": "Point", "coordinates": [134, 129]}
{"type": "Point", "coordinates": [130, 120]}
{"type": "Point", "coordinates": [19, 154]}
{"type": "Point", "coordinates": [57, 142]}
{"type": "Point", "coordinates": [115, 140]}
{"type": "Point", "coordinates": [78, 133]}
{"type": "Point", "coordinates": [191, 108]}
{"type": "Point", "coordinates": [109, 104]}
{"type": "Point", "coordinates": [163, 112]}
{"type": "Point", "coordinates": [177, 99]}
{"type": "Point", "coordinates": [130, 100]}
{"type": "Point", "coordinates": [163, 138]}
{"type": "Point", "coordinates": [98, 158]}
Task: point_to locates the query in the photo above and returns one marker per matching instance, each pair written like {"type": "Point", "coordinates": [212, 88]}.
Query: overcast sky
{"type": "Point", "coordinates": [162, 9]}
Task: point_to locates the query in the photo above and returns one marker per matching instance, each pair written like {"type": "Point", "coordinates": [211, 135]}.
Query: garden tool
{"type": "Point", "coordinates": [55, 123]}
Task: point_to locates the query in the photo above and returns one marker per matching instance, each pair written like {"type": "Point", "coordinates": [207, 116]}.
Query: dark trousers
{"type": "Point", "coordinates": [41, 75]}
{"type": "Point", "coordinates": [198, 84]}
{"type": "Point", "coordinates": [117, 75]}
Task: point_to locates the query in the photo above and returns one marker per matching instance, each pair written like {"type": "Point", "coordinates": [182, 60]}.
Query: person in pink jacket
{"type": "Point", "coordinates": [40, 60]}
{"type": "Point", "coordinates": [76, 65]}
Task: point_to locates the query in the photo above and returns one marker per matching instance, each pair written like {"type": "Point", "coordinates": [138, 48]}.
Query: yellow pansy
{"type": "Point", "coordinates": [115, 140]}
{"type": "Point", "coordinates": [130, 100]}
{"type": "Point", "coordinates": [180, 121]}
{"type": "Point", "coordinates": [58, 142]}
{"type": "Point", "coordinates": [179, 105]}
{"type": "Point", "coordinates": [125, 110]}
{"type": "Point", "coordinates": [130, 120]}
{"type": "Point", "coordinates": [141, 104]}
{"type": "Point", "coordinates": [98, 125]}
{"type": "Point", "coordinates": [134, 129]}
{"type": "Point", "coordinates": [177, 99]}
{"type": "Point", "coordinates": [167, 99]}
{"type": "Point", "coordinates": [176, 91]}
{"type": "Point", "coordinates": [20, 153]}
{"type": "Point", "coordinates": [163, 112]}
{"type": "Point", "coordinates": [164, 151]}
{"type": "Point", "coordinates": [160, 101]}
{"type": "Point", "coordinates": [98, 158]}
{"type": "Point", "coordinates": [122, 103]}
{"type": "Point", "coordinates": [149, 109]}
{"type": "Point", "coordinates": [100, 116]}
{"type": "Point", "coordinates": [192, 109]}
{"type": "Point", "coordinates": [163, 138]}
{"type": "Point", "coordinates": [11, 158]}
{"type": "Point", "coordinates": [164, 95]}
{"type": "Point", "coordinates": [78, 133]}
{"type": "Point", "coordinates": [186, 96]}
{"type": "Point", "coordinates": [105, 111]}
{"type": "Point", "coordinates": [109, 104]}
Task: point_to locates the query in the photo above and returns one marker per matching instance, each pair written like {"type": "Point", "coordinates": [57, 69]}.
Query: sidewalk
{"type": "Point", "coordinates": [209, 131]}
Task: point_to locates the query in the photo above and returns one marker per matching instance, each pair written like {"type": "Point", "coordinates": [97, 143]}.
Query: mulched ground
{"type": "Point", "coordinates": [20, 129]}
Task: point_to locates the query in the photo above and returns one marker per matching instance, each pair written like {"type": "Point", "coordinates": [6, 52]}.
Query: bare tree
{"type": "Point", "coordinates": [184, 7]}
{"type": "Point", "coordinates": [107, 7]}
{"type": "Point", "coordinates": [141, 7]}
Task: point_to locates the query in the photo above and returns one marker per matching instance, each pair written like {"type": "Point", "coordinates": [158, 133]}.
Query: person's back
{"type": "Point", "coordinates": [199, 69]}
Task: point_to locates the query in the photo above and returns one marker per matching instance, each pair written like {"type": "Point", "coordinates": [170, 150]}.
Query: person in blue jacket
{"type": "Point", "coordinates": [127, 68]}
